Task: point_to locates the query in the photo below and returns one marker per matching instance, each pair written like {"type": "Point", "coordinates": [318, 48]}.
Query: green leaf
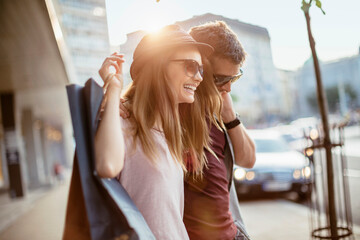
{"type": "Point", "coordinates": [318, 4]}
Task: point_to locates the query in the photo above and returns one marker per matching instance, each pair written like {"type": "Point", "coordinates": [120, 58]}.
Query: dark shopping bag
{"type": "Point", "coordinates": [97, 208]}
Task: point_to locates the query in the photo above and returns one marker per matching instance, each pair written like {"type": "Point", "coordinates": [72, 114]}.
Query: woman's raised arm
{"type": "Point", "coordinates": [109, 140]}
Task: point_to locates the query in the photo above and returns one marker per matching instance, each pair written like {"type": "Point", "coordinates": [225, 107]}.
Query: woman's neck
{"type": "Point", "coordinates": [158, 125]}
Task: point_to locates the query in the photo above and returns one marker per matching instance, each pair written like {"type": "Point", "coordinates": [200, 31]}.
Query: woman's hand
{"type": "Point", "coordinates": [116, 61]}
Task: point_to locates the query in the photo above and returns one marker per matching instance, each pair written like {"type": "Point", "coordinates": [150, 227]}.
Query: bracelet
{"type": "Point", "coordinates": [233, 123]}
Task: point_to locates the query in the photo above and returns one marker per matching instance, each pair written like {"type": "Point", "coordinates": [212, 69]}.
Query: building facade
{"type": "Point", "coordinates": [84, 25]}
{"type": "Point", "coordinates": [36, 130]}
{"type": "Point", "coordinates": [289, 93]}
{"type": "Point", "coordinates": [341, 81]}
{"type": "Point", "coordinates": [45, 45]}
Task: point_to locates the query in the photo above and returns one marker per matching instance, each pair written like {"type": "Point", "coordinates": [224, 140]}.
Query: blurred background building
{"type": "Point", "coordinates": [85, 30]}
{"type": "Point", "coordinates": [341, 80]}
{"type": "Point", "coordinates": [289, 94]}
{"type": "Point", "coordinates": [44, 45]}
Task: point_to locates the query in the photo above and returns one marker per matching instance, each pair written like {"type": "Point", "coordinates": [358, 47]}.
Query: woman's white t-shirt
{"type": "Point", "coordinates": [157, 190]}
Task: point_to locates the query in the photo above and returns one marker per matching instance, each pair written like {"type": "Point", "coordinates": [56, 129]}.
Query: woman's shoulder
{"type": "Point", "coordinates": [126, 126]}
{"type": "Point", "coordinates": [125, 123]}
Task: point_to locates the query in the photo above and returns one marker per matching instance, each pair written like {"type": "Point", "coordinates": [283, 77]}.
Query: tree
{"type": "Point", "coordinates": [323, 107]}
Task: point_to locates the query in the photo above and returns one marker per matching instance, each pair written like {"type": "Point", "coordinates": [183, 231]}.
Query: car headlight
{"type": "Point", "coordinates": [309, 152]}
{"type": "Point", "coordinates": [250, 175]}
{"type": "Point", "coordinates": [239, 174]}
{"type": "Point", "coordinates": [314, 134]}
{"type": "Point", "coordinates": [306, 172]}
{"type": "Point", "coordinates": [296, 174]}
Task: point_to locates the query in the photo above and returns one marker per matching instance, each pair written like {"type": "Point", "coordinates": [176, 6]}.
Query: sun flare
{"type": "Point", "coordinates": [154, 25]}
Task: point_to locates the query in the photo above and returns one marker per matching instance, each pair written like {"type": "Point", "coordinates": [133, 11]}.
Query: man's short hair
{"type": "Point", "coordinates": [224, 41]}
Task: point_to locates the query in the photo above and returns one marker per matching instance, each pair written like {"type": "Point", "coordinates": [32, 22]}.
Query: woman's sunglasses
{"type": "Point", "coordinates": [222, 80]}
{"type": "Point", "coordinates": [192, 67]}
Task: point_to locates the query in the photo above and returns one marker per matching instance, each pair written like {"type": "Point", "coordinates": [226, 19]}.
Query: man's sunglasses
{"type": "Point", "coordinates": [192, 67]}
{"type": "Point", "coordinates": [222, 80]}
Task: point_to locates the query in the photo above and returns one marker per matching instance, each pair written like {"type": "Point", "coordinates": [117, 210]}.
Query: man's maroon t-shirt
{"type": "Point", "coordinates": [206, 212]}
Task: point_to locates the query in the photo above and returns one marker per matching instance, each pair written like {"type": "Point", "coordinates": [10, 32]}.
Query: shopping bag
{"type": "Point", "coordinates": [97, 208]}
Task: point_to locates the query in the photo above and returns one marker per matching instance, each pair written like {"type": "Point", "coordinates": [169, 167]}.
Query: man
{"type": "Point", "coordinates": [211, 204]}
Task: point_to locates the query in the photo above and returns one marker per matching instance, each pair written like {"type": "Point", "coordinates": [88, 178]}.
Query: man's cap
{"type": "Point", "coordinates": [169, 37]}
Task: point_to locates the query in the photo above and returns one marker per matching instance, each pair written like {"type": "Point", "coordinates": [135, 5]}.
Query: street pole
{"type": "Point", "coordinates": [323, 107]}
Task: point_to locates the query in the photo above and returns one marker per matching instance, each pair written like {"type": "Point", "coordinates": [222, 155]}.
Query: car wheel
{"type": "Point", "coordinates": [305, 193]}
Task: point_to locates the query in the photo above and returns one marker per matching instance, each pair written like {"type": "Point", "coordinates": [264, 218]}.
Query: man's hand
{"type": "Point", "coordinates": [244, 147]}
{"type": "Point", "coordinates": [228, 114]}
{"type": "Point", "coordinates": [124, 113]}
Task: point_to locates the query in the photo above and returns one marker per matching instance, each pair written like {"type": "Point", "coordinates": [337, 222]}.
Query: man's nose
{"type": "Point", "coordinates": [226, 87]}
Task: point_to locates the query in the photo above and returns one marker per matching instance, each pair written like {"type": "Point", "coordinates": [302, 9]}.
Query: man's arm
{"type": "Point", "coordinates": [243, 145]}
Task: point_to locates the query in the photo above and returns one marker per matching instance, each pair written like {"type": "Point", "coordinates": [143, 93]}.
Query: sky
{"type": "Point", "coordinates": [337, 34]}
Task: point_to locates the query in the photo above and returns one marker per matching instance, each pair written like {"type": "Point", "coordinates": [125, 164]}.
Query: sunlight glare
{"type": "Point", "coordinates": [154, 25]}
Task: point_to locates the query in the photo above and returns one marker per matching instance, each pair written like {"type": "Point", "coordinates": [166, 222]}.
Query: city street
{"type": "Point", "coordinates": [266, 219]}
{"type": "Point", "coordinates": [41, 215]}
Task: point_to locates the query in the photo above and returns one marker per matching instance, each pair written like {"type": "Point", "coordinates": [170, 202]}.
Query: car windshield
{"type": "Point", "coordinates": [271, 145]}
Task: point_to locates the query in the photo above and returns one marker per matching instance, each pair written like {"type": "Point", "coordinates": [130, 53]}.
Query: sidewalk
{"type": "Point", "coordinates": [265, 219]}
{"type": "Point", "coordinates": [42, 219]}
{"type": "Point", "coordinates": [278, 220]}
{"type": "Point", "coordinates": [12, 209]}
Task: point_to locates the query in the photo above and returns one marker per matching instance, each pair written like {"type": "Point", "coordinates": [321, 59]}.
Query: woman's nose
{"type": "Point", "coordinates": [198, 77]}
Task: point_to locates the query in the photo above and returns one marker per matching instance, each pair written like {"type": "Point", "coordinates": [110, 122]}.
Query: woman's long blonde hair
{"type": "Point", "coordinates": [150, 99]}
{"type": "Point", "coordinates": [207, 106]}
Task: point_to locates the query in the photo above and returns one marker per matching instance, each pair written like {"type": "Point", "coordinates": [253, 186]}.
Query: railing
{"type": "Point", "coordinates": [319, 201]}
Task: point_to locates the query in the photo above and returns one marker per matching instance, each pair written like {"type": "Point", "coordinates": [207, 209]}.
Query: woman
{"type": "Point", "coordinates": [145, 151]}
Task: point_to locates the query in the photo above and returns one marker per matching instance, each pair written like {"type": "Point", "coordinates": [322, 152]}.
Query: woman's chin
{"type": "Point", "coordinates": [188, 100]}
